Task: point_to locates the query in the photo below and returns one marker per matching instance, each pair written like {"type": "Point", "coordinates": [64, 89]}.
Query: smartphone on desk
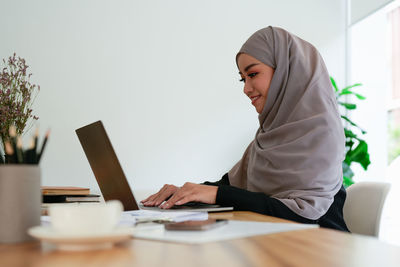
{"type": "Point", "coordinates": [195, 225]}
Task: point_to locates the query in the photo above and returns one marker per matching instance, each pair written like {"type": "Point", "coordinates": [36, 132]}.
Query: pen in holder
{"type": "Point", "coordinates": [16, 154]}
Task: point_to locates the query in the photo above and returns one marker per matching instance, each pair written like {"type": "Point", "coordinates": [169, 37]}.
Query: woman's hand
{"type": "Point", "coordinates": [156, 199]}
{"type": "Point", "coordinates": [181, 195]}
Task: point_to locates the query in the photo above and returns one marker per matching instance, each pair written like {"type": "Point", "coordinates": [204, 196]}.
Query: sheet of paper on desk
{"type": "Point", "coordinates": [232, 230]}
{"type": "Point", "coordinates": [134, 216]}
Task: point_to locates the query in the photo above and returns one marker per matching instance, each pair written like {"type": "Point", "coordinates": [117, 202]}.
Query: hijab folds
{"type": "Point", "coordinates": [297, 153]}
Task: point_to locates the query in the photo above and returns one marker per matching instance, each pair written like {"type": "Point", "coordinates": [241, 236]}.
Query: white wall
{"type": "Point", "coordinates": [360, 9]}
{"type": "Point", "coordinates": [369, 66]}
{"type": "Point", "coordinates": [159, 74]}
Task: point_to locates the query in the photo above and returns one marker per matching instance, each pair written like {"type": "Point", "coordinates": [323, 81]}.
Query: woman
{"type": "Point", "coordinates": [293, 167]}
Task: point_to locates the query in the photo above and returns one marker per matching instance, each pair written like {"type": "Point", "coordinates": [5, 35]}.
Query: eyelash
{"type": "Point", "coordinates": [251, 75]}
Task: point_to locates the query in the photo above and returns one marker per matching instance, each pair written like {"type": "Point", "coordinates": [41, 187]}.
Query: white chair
{"type": "Point", "coordinates": [363, 207]}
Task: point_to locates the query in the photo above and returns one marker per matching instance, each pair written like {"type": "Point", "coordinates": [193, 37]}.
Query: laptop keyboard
{"type": "Point", "coordinates": [194, 205]}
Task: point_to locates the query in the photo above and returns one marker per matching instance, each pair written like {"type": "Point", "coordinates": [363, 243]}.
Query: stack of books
{"type": "Point", "coordinates": [67, 194]}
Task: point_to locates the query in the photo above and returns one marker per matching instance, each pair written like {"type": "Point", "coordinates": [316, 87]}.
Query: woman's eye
{"type": "Point", "coordinates": [251, 75]}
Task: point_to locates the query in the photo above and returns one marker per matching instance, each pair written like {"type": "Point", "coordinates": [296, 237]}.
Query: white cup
{"type": "Point", "coordinates": [85, 219]}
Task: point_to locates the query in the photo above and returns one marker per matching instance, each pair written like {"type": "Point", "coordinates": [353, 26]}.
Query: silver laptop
{"type": "Point", "coordinates": [110, 176]}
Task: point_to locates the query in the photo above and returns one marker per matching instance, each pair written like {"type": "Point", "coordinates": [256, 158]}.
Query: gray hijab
{"type": "Point", "coordinates": [297, 153]}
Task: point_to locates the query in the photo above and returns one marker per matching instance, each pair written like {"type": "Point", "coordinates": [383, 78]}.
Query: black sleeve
{"type": "Point", "coordinates": [244, 200]}
{"type": "Point", "coordinates": [241, 199]}
{"type": "Point", "coordinates": [224, 181]}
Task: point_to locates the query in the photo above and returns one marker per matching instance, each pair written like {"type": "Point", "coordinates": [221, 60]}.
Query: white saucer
{"type": "Point", "coordinates": [81, 242]}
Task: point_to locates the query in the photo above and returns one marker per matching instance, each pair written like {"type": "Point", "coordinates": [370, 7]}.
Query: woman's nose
{"type": "Point", "coordinates": [247, 89]}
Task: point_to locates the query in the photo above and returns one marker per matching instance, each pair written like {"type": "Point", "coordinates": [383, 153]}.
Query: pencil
{"type": "Point", "coordinates": [3, 155]}
{"type": "Point", "coordinates": [13, 137]}
{"type": "Point", "coordinates": [10, 156]}
{"type": "Point", "coordinates": [19, 152]}
{"type": "Point", "coordinates": [32, 156]}
{"type": "Point", "coordinates": [36, 142]}
{"type": "Point", "coordinates": [43, 146]}
{"type": "Point", "coordinates": [29, 153]}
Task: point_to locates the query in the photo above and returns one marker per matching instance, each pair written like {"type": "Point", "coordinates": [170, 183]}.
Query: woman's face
{"type": "Point", "coordinates": [256, 77]}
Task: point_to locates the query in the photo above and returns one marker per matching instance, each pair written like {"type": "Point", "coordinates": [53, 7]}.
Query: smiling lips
{"type": "Point", "coordinates": [254, 98]}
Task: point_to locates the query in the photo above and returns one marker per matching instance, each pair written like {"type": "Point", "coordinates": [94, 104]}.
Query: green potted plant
{"type": "Point", "coordinates": [356, 147]}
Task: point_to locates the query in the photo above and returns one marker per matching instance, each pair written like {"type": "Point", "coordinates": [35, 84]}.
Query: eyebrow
{"type": "Point", "coordinates": [249, 66]}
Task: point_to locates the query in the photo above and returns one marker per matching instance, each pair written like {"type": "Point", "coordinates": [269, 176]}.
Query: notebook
{"type": "Point", "coordinates": [110, 176]}
{"type": "Point", "coordinates": [64, 190]}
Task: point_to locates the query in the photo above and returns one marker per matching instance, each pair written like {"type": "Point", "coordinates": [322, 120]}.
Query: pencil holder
{"type": "Point", "coordinates": [20, 200]}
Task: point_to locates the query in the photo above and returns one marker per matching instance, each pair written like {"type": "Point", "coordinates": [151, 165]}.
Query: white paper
{"type": "Point", "coordinates": [130, 218]}
{"type": "Point", "coordinates": [231, 230]}
{"type": "Point", "coordinates": [134, 216]}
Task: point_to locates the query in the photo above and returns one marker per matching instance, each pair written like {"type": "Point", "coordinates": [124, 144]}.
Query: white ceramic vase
{"type": "Point", "coordinates": [20, 201]}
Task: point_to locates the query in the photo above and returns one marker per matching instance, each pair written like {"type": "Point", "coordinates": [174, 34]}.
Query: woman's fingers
{"type": "Point", "coordinates": [154, 196]}
{"type": "Point", "coordinates": [192, 192]}
{"type": "Point", "coordinates": [164, 195]}
{"type": "Point", "coordinates": [148, 198]}
{"type": "Point", "coordinates": [156, 199]}
{"type": "Point", "coordinates": [178, 196]}
{"type": "Point", "coordinates": [181, 195]}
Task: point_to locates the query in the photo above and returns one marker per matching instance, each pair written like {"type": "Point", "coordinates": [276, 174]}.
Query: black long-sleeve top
{"type": "Point", "coordinates": [241, 199]}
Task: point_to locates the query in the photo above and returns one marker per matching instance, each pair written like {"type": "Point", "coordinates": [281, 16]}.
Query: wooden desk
{"type": "Point", "coordinates": [313, 247]}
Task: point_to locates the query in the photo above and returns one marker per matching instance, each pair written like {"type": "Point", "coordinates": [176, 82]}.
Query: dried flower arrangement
{"type": "Point", "coordinates": [17, 95]}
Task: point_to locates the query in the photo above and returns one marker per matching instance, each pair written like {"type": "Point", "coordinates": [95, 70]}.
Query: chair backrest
{"type": "Point", "coordinates": [363, 207]}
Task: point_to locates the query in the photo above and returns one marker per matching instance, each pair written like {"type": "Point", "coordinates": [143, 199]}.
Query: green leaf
{"type": "Point", "coordinates": [352, 123]}
{"type": "Point", "coordinates": [334, 84]}
{"type": "Point", "coordinates": [347, 174]}
{"type": "Point", "coordinates": [351, 86]}
{"type": "Point", "coordinates": [359, 154]}
{"type": "Point", "coordinates": [359, 96]}
{"type": "Point", "coordinates": [348, 92]}
{"type": "Point", "coordinates": [347, 181]}
{"type": "Point", "coordinates": [348, 133]}
{"type": "Point", "coordinates": [349, 145]}
{"type": "Point", "coordinates": [348, 105]}
{"type": "Point", "coordinates": [345, 93]}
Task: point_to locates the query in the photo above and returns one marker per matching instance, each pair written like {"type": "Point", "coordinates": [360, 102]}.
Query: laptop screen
{"type": "Point", "coordinates": [105, 165]}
